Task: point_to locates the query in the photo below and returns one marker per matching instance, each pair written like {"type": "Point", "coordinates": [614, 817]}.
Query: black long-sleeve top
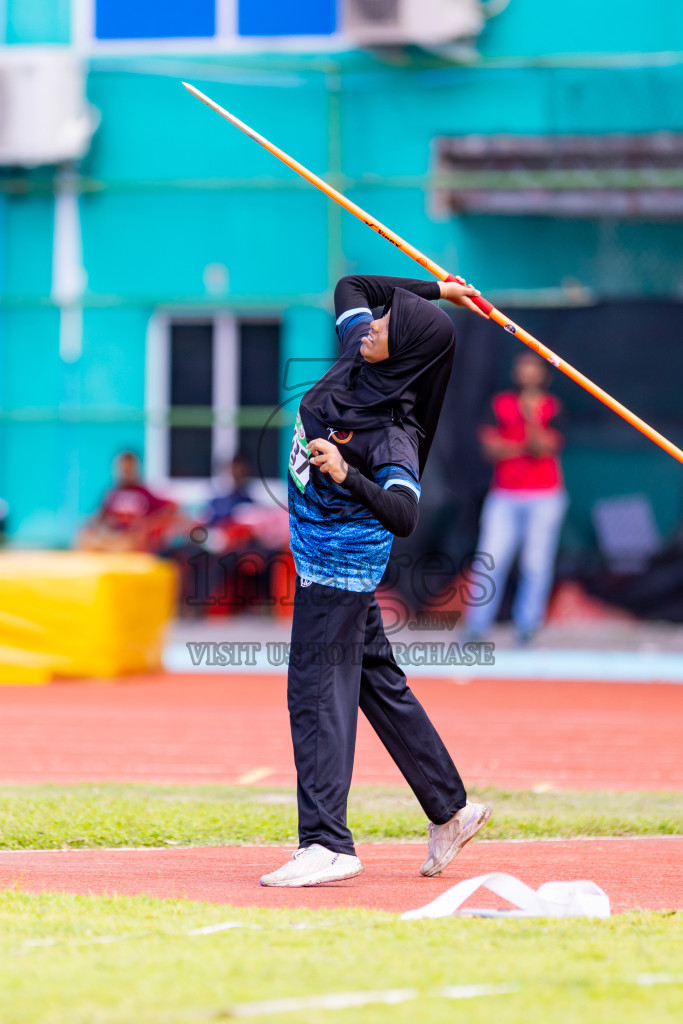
{"type": "Point", "coordinates": [395, 507]}
{"type": "Point", "coordinates": [362, 291]}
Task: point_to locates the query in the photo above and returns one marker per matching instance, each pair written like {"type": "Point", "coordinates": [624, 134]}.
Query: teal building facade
{"type": "Point", "coordinates": [200, 296]}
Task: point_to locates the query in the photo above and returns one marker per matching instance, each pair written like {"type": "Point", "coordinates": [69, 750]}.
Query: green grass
{"type": "Point", "coordinates": [54, 816]}
{"type": "Point", "coordinates": [149, 971]}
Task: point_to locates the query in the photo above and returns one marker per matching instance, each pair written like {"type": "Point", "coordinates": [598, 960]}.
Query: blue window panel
{"type": "Point", "coordinates": [287, 17]}
{"type": "Point", "coordinates": [152, 19]}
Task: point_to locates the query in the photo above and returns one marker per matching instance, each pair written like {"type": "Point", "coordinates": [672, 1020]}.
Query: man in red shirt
{"type": "Point", "coordinates": [131, 517]}
{"type": "Point", "coordinates": [524, 510]}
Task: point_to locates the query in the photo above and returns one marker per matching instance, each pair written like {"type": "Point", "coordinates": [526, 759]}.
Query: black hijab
{"type": "Point", "coordinates": [408, 387]}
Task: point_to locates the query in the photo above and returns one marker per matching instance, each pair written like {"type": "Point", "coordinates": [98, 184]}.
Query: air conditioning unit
{"type": "Point", "coordinates": [395, 22]}
{"type": "Point", "coordinates": [44, 115]}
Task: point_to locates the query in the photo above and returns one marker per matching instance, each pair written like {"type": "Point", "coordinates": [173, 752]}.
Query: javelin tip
{"type": "Point", "coordinates": [194, 91]}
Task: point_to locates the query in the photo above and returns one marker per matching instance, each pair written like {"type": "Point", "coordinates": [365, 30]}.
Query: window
{"type": "Point", "coordinates": [148, 19]}
{"type": "Point", "coordinates": [287, 17]}
{"type": "Point", "coordinates": [109, 21]}
{"type": "Point", "coordinates": [191, 384]}
{"type": "Point", "coordinates": [259, 347]}
{"type": "Point", "coordinates": [211, 385]}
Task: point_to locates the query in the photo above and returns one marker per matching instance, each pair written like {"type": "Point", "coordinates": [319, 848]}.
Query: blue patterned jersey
{"type": "Point", "coordinates": [335, 540]}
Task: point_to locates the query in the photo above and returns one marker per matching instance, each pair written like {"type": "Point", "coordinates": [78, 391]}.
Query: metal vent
{"type": "Point", "coordinates": [376, 12]}
{"type": "Point", "coordinates": [617, 174]}
{"type": "Point", "coordinates": [410, 22]}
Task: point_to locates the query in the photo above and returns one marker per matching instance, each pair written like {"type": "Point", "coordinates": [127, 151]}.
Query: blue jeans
{"type": "Point", "coordinates": [528, 522]}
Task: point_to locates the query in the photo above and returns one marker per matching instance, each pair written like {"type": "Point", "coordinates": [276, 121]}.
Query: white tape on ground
{"type": "Point", "coordinates": [552, 899]}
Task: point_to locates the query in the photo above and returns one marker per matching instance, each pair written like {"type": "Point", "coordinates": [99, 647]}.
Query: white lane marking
{"type": "Point", "coordinates": [658, 979]}
{"type": "Point", "coordinates": [211, 929]}
{"type": "Point", "coordinates": [330, 1001]}
{"type": "Point", "coordinates": [577, 839]}
{"type": "Point", "coordinates": [253, 775]}
{"type": "Point", "coordinates": [398, 843]}
{"type": "Point", "coordinates": [92, 941]}
{"type": "Point", "coordinates": [345, 1000]}
{"type": "Point", "coordinates": [473, 991]}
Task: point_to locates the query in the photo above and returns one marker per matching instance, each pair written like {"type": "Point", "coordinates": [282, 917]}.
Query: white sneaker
{"type": "Point", "coordinates": [445, 841]}
{"type": "Point", "coordinates": [312, 865]}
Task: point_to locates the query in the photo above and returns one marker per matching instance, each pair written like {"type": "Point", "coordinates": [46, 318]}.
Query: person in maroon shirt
{"type": "Point", "coordinates": [131, 517]}
{"type": "Point", "coordinates": [525, 507]}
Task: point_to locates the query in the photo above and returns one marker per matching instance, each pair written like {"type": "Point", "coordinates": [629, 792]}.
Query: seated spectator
{"type": "Point", "coordinates": [4, 515]}
{"type": "Point", "coordinates": [131, 517]}
{"type": "Point", "coordinates": [226, 563]}
{"type": "Point", "coordinates": [236, 490]}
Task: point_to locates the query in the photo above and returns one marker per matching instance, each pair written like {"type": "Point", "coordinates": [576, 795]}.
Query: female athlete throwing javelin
{"type": "Point", "coordinates": [361, 441]}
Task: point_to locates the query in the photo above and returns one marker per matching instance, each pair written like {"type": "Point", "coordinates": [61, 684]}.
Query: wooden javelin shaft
{"type": "Point", "coordinates": [443, 275]}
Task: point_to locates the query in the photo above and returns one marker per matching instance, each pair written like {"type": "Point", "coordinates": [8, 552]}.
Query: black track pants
{"type": "Point", "coordinates": [340, 659]}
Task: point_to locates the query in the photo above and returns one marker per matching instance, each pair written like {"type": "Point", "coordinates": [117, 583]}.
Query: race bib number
{"type": "Point", "coordinates": [299, 468]}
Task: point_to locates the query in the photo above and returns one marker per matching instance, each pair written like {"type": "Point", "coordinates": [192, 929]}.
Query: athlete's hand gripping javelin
{"type": "Point", "coordinates": [460, 293]}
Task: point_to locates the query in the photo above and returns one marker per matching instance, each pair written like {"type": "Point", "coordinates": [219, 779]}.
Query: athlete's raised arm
{"type": "Point", "coordinates": [367, 292]}
{"type": "Point", "coordinates": [361, 293]}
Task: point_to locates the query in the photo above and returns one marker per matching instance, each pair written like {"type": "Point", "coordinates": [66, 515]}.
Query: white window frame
{"type": "Point", "coordinates": [225, 398]}
{"type": "Point", "coordinates": [226, 39]}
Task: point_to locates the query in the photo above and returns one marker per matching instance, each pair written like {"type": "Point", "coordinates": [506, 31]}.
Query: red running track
{"type": "Point", "coordinates": [635, 873]}
{"type": "Point", "coordinates": [232, 728]}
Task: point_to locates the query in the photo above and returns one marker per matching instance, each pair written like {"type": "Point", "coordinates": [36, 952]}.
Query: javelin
{"type": "Point", "coordinates": [486, 307]}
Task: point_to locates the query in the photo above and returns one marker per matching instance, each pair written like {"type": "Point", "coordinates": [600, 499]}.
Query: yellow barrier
{"type": "Point", "coordinates": [78, 614]}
